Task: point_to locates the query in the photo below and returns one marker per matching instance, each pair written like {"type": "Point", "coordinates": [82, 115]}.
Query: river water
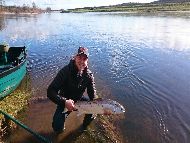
{"type": "Point", "coordinates": [141, 60]}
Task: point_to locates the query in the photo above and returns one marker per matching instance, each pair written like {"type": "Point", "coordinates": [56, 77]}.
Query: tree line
{"type": "Point", "coordinates": [183, 5]}
{"type": "Point", "coordinates": [21, 9]}
{"type": "Point", "coordinates": [171, 1]}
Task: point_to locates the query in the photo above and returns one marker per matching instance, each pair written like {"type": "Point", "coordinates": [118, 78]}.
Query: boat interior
{"type": "Point", "coordinates": [11, 56]}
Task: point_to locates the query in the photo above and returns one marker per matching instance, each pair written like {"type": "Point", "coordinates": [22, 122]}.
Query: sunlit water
{"type": "Point", "coordinates": [140, 60]}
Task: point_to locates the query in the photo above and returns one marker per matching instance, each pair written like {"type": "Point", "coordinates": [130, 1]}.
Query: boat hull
{"type": "Point", "coordinates": [10, 82]}
{"type": "Point", "coordinates": [11, 77]}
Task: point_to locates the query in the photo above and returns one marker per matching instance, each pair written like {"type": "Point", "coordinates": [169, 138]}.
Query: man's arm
{"type": "Point", "coordinates": [91, 89]}
{"type": "Point", "coordinates": [55, 86]}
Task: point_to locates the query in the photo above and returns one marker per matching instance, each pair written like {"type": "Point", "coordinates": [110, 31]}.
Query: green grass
{"type": "Point", "coordinates": [184, 6]}
{"type": "Point", "coordinates": [14, 105]}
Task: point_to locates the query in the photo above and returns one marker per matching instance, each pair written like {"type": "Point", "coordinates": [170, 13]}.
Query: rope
{"type": "Point", "coordinates": [26, 128]}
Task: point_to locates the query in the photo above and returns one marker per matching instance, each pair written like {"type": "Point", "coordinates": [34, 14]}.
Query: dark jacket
{"type": "Point", "coordinates": [68, 85]}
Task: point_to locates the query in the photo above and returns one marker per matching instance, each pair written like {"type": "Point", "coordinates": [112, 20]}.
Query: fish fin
{"type": "Point", "coordinates": [94, 116]}
{"type": "Point", "coordinates": [65, 110]}
{"type": "Point", "coordinates": [79, 113]}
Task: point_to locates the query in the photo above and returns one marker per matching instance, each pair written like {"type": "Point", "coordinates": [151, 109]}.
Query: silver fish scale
{"type": "Point", "coordinates": [97, 106]}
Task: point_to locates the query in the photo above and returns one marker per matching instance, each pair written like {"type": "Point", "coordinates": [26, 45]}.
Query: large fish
{"type": "Point", "coordinates": [98, 106]}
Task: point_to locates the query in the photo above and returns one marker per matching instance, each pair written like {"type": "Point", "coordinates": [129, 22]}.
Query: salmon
{"type": "Point", "coordinates": [98, 106]}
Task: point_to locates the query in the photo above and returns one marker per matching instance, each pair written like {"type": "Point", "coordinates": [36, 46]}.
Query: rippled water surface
{"type": "Point", "coordinates": [142, 60]}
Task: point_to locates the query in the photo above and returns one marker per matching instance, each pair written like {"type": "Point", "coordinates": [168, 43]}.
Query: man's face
{"type": "Point", "coordinates": [81, 61]}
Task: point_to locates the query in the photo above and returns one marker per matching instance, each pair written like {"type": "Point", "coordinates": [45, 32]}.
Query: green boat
{"type": "Point", "coordinates": [12, 67]}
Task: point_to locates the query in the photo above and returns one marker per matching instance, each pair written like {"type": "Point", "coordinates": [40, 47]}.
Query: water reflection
{"type": "Point", "coordinates": [25, 28]}
{"type": "Point", "coordinates": [152, 29]}
{"type": "Point", "coordinates": [139, 59]}
{"type": "Point", "coordinates": [2, 25]}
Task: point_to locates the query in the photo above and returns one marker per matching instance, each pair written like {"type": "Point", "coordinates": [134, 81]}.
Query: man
{"type": "Point", "coordinates": [69, 86]}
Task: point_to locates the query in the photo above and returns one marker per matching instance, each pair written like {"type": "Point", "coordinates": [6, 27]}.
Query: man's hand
{"type": "Point", "coordinates": [69, 104]}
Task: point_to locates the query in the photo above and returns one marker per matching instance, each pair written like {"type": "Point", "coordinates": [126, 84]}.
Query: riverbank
{"type": "Point", "coordinates": [109, 127]}
{"type": "Point", "coordinates": [28, 112]}
{"type": "Point", "coordinates": [17, 13]}
{"type": "Point", "coordinates": [137, 7]}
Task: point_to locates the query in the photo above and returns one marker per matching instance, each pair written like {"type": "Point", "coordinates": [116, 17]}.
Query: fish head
{"type": "Point", "coordinates": [119, 108]}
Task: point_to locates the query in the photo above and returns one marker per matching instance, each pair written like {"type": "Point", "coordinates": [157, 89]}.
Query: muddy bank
{"type": "Point", "coordinates": [40, 122]}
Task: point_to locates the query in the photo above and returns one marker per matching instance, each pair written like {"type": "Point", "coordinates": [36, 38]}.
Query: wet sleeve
{"type": "Point", "coordinates": [55, 86]}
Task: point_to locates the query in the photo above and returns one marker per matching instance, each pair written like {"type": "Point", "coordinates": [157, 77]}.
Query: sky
{"type": "Point", "coordinates": [69, 4]}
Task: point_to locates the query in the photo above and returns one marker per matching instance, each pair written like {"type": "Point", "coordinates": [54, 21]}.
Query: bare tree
{"type": "Point", "coordinates": [34, 5]}
{"type": "Point", "coordinates": [1, 6]}
{"type": "Point", "coordinates": [48, 9]}
{"type": "Point", "coordinates": [23, 9]}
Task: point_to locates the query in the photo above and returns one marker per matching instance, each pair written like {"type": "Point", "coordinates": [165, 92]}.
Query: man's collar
{"type": "Point", "coordinates": [79, 74]}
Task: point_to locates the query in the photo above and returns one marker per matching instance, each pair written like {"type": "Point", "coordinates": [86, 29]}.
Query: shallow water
{"type": "Point", "coordinates": [142, 60]}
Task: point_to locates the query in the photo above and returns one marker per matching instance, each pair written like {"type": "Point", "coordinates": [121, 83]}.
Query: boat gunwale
{"type": "Point", "coordinates": [13, 69]}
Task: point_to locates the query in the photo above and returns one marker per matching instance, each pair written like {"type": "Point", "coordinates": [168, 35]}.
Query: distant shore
{"type": "Point", "coordinates": [137, 7]}
{"type": "Point", "coordinates": [7, 13]}
{"type": "Point", "coordinates": [137, 11]}
{"type": "Point", "coordinates": [17, 13]}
